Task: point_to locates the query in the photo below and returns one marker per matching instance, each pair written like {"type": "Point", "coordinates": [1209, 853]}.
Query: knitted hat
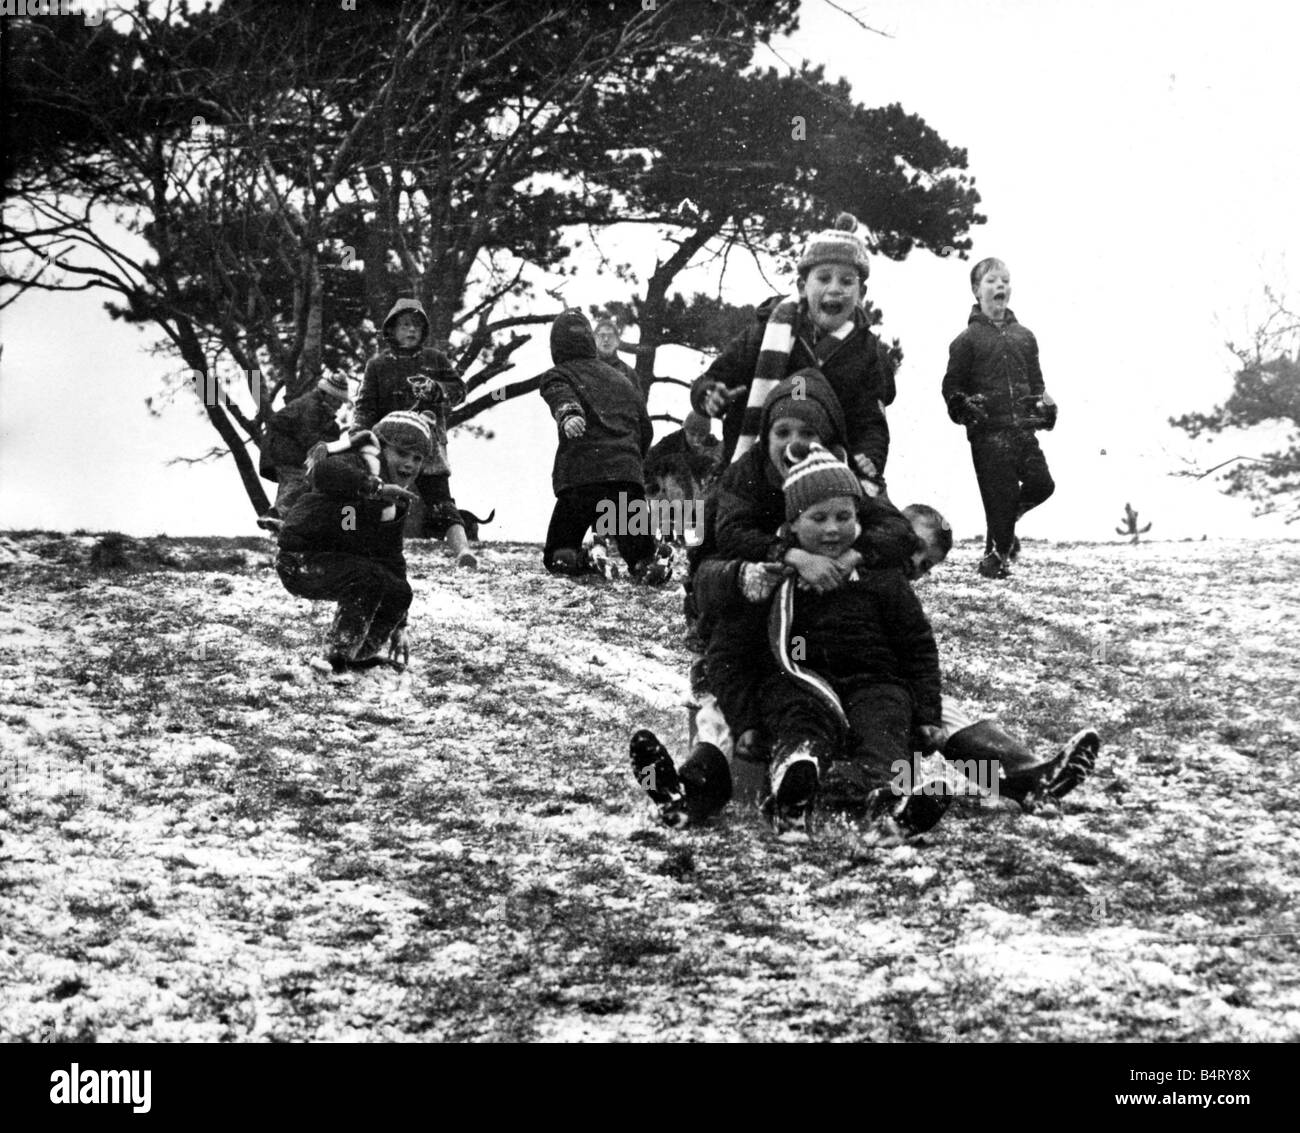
{"type": "Point", "coordinates": [336, 385]}
{"type": "Point", "coordinates": [838, 245]}
{"type": "Point", "coordinates": [809, 410]}
{"type": "Point", "coordinates": [410, 430]}
{"type": "Point", "coordinates": [816, 476]}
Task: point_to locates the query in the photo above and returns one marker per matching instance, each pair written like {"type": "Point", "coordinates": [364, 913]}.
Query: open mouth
{"type": "Point", "coordinates": [832, 307]}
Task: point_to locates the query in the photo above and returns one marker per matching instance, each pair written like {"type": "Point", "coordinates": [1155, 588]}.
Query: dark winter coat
{"type": "Point", "coordinates": [338, 514]}
{"type": "Point", "coordinates": [871, 630]}
{"type": "Point", "coordinates": [618, 431]}
{"type": "Point", "coordinates": [858, 371]}
{"type": "Point", "coordinates": [999, 363]}
{"type": "Point", "coordinates": [624, 369]}
{"type": "Point", "coordinates": [294, 429]}
{"type": "Point", "coordinates": [385, 386]}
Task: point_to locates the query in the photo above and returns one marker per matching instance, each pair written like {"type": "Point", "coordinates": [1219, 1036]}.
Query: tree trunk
{"type": "Point", "coordinates": [656, 303]}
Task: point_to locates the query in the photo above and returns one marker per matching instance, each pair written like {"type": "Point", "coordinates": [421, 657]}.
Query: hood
{"type": "Point", "coordinates": [978, 316]}
{"type": "Point", "coordinates": [402, 307]}
{"type": "Point", "coordinates": [572, 337]}
{"type": "Point", "coordinates": [816, 388]}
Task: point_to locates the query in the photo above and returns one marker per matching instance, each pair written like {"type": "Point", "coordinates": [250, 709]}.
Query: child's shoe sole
{"type": "Point", "coordinates": [1078, 760]}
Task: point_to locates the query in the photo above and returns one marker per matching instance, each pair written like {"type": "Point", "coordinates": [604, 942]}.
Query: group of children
{"type": "Point", "coordinates": [810, 644]}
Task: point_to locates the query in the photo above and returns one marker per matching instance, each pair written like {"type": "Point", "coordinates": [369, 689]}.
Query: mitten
{"type": "Point", "coordinates": [1047, 410]}
{"type": "Point", "coordinates": [967, 410]}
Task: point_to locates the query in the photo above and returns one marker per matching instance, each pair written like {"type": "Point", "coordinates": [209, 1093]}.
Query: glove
{"type": "Point", "coordinates": [574, 426]}
{"type": "Point", "coordinates": [719, 398]}
{"type": "Point", "coordinates": [967, 410]}
{"type": "Point", "coordinates": [930, 738]}
{"type": "Point", "coordinates": [399, 648]}
{"type": "Point", "coordinates": [426, 388]}
{"type": "Point", "coordinates": [758, 581]}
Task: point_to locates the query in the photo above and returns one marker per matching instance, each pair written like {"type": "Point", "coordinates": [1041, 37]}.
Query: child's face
{"type": "Point", "coordinates": [832, 291]}
{"type": "Point", "coordinates": [784, 432]}
{"type": "Point", "coordinates": [403, 464]}
{"type": "Point", "coordinates": [407, 330]}
{"type": "Point", "coordinates": [929, 556]}
{"type": "Point", "coordinates": [606, 340]}
{"type": "Point", "coordinates": [993, 291]}
{"type": "Point", "coordinates": [828, 528]}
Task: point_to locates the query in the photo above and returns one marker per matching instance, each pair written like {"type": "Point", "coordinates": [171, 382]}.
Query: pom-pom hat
{"type": "Point", "coordinates": [336, 385]}
{"type": "Point", "coordinates": [817, 475]}
{"type": "Point", "coordinates": [406, 430]}
{"type": "Point", "coordinates": [837, 245]}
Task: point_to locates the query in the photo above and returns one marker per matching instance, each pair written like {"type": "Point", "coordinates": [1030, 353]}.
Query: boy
{"type": "Point", "coordinates": [823, 327]}
{"type": "Point", "coordinates": [342, 540]}
{"type": "Point", "coordinates": [607, 340]}
{"type": "Point", "coordinates": [408, 375]}
{"type": "Point", "coordinates": [859, 667]}
{"type": "Point", "coordinates": [290, 434]}
{"type": "Point", "coordinates": [994, 387]}
{"type": "Point", "coordinates": [604, 434]}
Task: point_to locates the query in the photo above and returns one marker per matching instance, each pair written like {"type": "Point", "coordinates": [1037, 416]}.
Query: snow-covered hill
{"type": "Point", "coordinates": [204, 840]}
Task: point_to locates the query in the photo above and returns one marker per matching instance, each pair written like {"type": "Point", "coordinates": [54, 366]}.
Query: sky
{"type": "Point", "coordinates": [1138, 164]}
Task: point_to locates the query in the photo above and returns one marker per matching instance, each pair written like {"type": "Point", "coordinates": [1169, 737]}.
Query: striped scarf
{"type": "Point", "coordinates": [779, 625]}
{"type": "Point", "coordinates": [774, 361]}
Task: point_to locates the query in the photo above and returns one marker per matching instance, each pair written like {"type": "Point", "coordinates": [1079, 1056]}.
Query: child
{"type": "Point", "coordinates": [859, 666]}
{"type": "Point", "coordinates": [823, 327]}
{"type": "Point", "coordinates": [607, 340]}
{"type": "Point", "coordinates": [408, 375]}
{"type": "Point", "coordinates": [289, 436]}
{"type": "Point", "coordinates": [994, 387]}
{"type": "Point", "coordinates": [342, 540]}
{"type": "Point", "coordinates": [604, 434]}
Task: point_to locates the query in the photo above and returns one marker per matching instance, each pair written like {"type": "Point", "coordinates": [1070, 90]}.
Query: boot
{"type": "Point", "coordinates": [793, 776]}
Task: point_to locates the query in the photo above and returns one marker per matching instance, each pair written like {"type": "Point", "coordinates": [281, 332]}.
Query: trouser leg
{"type": "Point", "coordinates": [995, 471]}
{"type": "Point", "coordinates": [880, 729]}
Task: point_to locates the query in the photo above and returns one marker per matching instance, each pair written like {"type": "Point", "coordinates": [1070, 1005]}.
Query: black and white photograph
{"type": "Point", "coordinates": [651, 521]}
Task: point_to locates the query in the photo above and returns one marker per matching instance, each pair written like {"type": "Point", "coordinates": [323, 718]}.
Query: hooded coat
{"type": "Point", "coordinates": [618, 432]}
{"type": "Point", "coordinates": [385, 386]}
{"type": "Point", "coordinates": [858, 371]}
{"type": "Point", "coordinates": [294, 429]}
{"type": "Point", "coordinates": [999, 363]}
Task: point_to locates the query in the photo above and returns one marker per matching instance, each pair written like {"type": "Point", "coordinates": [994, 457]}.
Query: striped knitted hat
{"type": "Point", "coordinates": [336, 385]}
{"type": "Point", "coordinates": [410, 430]}
{"type": "Point", "coordinates": [816, 476]}
{"type": "Point", "coordinates": [838, 245]}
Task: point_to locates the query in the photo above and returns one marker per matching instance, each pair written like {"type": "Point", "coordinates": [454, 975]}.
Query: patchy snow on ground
{"type": "Point", "coordinates": [201, 839]}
